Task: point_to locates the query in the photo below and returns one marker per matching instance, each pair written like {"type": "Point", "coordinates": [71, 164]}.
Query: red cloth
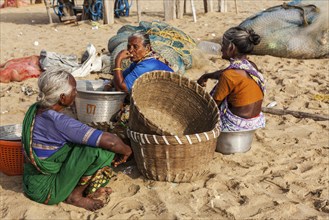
{"type": "Point", "coordinates": [20, 69]}
{"type": "Point", "coordinates": [12, 3]}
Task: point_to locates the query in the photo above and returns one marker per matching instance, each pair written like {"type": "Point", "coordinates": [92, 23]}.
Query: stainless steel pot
{"type": "Point", "coordinates": [234, 141]}
{"type": "Point", "coordinates": [95, 105]}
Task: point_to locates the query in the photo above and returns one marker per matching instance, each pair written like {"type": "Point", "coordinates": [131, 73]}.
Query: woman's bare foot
{"type": "Point", "coordinates": [76, 199]}
{"type": "Point", "coordinates": [102, 191]}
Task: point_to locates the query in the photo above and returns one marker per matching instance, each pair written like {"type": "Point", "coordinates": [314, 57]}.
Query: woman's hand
{"type": "Point", "coordinates": [113, 143]}
{"type": "Point", "coordinates": [109, 86]}
{"type": "Point", "coordinates": [202, 81]}
{"type": "Point", "coordinates": [119, 159]}
{"type": "Point", "coordinates": [118, 79]}
{"type": "Point", "coordinates": [123, 54]}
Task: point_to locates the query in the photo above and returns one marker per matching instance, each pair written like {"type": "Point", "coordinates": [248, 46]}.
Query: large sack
{"type": "Point", "coordinates": [91, 62]}
{"type": "Point", "coordinates": [20, 69]}
{"type": "Point", "coordinates": [293, 30]}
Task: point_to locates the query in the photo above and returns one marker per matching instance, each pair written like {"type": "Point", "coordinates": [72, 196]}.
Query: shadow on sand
{"type": "Point", "coordinates": [32, 18]}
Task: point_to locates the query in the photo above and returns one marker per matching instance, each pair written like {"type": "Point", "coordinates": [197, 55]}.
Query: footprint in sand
{"type": "Point", "coordinates": [322, 205]}
{"type": "Point", "coordinates": [133, 190]}
{"type": "Point", "coordinates": [126, 206]}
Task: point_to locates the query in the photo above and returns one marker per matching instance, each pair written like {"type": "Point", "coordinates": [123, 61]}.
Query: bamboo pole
{"type": "Point", "coordinates": [297, 114]}
{"type": "Point", "coordinates": [236, 6]}
{"type": "Point", "coordinates": [108, 11]}
{"type": "Point", "coordinates": [48, 12]}
{"type": "Point", "coordinates": [193, 10]}
{"type": "Point", "coordinates": [210, 6]}
{"type": "Point", "coordinates": [169, 10]}
{"type": "Point", "coordinates": [222, 5]}
{"type": "Point", "coordinates": [179, 9]}
{"type": "Point", "coordinates": [139, 11]}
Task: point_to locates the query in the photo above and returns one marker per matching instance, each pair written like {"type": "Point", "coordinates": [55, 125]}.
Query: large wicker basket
{"type": "Point", "coordinates": [165, 103]}
{"type": "Point", "coordinates": [173, 127]}
{"type": "Point", "coordinates": [173, 158]}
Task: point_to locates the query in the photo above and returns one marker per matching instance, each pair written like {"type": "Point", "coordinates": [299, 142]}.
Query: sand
{"type": "Point", "coordinates": [284, 175]}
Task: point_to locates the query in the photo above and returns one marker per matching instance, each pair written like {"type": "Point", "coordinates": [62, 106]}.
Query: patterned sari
{"type": "Point", "coordinates": [52, 180]}
{"type": "Point", "coordinates": [232, 122]}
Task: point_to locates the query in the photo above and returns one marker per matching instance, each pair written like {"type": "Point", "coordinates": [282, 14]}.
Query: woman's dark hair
{"type": "Point", "coordinates": [244, 39]}
{"type": "Point", "coordinates": [145, 37]}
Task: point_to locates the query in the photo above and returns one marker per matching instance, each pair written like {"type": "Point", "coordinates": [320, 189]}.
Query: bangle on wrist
{"type": "Point", "coordinates": [117, 69]}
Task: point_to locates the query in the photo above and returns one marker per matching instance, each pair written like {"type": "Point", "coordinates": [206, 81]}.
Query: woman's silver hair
{"type": "Point", "coordinates": [52, 83]}
{"type": "Point", "coordinates": [145, 37]}
{"type": "Point", "coordinates": [244, 39]}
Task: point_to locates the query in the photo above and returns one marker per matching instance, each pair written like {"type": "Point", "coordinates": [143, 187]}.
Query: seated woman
{"type": "Point", "coordinates": [140, 53]}
{"type": "Point", "coordinates": [240, 88]}
{"type": "Point", "coordinates": [66, 160]}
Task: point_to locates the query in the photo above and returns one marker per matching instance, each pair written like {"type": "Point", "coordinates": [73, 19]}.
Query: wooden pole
{"type": "Point", "coordinates": [139, 11]}
{"type": "Point", "coordinates": [205, 6]}
{"type": "Point", "coordinates": [236, 6]}
{"type": "Point", "coordinates": [222, 6]}
{"type": "Point", "coordinates": [208, 6]}
{"type": "Point", "coordinates": [108, 11]}
{"type": "Point", "coordinates": [184, 7]}
{"type": "Point", "coordinates": [297, 114]}
{"type": "Point", "coordinates": [169, 9]}
{"type": "Point", "coordinates": [211, 5]}
{"type": "Point", "coordinates": [193, 10]}
{"type": "Point", "coordinates": [179, 9]}
{"type": "Point", "coordinates": [48, 12]}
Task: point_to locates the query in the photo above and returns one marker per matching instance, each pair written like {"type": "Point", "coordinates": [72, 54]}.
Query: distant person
{"type": "Point", "coordinates": [139, 51]}
{"type": "Point", "coordinates": [240, 88]}
{"type": "Point", "coordinates": [66, 159]}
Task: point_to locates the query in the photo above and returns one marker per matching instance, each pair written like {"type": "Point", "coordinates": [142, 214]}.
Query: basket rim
{"type": "Point", "coordinates": [10, 143]}
{"type": "Point", "coordinates": [183, 81]}
{"type": "Point", "coordinates": [173, 139]}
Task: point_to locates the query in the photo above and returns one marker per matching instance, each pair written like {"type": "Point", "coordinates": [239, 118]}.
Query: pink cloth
{"type": "Point", "coordinates": [20, 69]}
{"type": "Point", "coordinates": [12, 3]}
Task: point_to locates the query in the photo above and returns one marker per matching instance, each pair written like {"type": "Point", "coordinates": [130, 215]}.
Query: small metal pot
{"type": "Point", "coordinates": [11, 132]}
{"type": "Point", "coordinates": [234, 141]}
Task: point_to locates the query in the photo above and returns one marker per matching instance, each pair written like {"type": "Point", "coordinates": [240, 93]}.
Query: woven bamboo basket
{"type": "Point", "coordinates": [165, 103]}
{"type": "Point", "coordinates": [173, 127]}
{"type": "Point", "coordinates": [174, 158]}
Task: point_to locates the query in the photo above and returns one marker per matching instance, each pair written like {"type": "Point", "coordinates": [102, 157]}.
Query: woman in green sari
{"type": "Point", "coordinates": [66, 160]}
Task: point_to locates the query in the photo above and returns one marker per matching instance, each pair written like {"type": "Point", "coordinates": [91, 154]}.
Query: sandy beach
{"type": "Point", "coordinates": [285, 175]}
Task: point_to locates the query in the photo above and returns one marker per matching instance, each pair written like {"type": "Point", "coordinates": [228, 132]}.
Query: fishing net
{"type": "Point", "coordinates": [292, 30]}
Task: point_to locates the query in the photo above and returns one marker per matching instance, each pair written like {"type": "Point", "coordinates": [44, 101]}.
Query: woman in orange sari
{"type": "Point", "coordinates": [240, 88]}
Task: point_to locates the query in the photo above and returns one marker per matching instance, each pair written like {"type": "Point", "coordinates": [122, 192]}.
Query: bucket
{"type": "Point", "coordinates": [230, 142]}
{"type": "Point", "coordinates": [95, 105]}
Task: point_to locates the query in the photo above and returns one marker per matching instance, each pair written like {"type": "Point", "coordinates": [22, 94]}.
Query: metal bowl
{"type": "Point", "coordinates": [234, 141]}
{"type": "Point", "coordinates": [95, 105]}
{"type": "Point", "coordinates": [11, 132]}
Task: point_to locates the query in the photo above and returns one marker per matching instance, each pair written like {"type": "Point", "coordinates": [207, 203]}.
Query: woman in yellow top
{"type": "Point", "coordinates": [240, 89]}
